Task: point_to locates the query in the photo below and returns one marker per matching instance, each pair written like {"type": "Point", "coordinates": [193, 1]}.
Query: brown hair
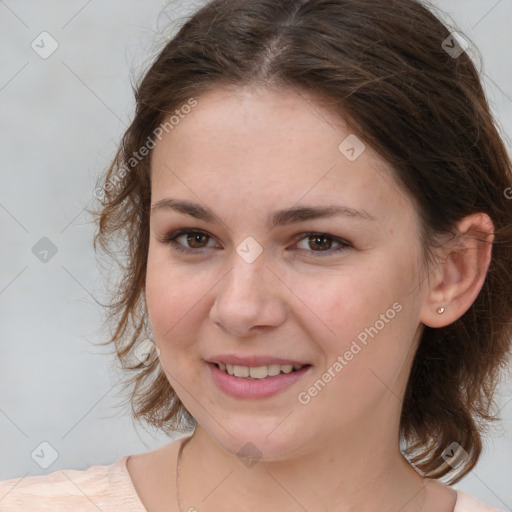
{"type": "Point", "coordinates": [385, 67]}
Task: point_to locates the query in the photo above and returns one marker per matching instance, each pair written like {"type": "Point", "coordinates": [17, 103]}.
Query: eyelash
{"type": "Point", "coordinates": [169, 239]}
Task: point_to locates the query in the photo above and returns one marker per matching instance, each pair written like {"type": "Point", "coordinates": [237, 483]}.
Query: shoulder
{"type": "Point", "coordinates": [468, 503]}
{"type": "Point", "coordinates": [97, 487]}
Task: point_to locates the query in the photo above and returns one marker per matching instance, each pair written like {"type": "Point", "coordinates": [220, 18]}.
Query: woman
{"type": "Point", "coordinates": [314, 201]}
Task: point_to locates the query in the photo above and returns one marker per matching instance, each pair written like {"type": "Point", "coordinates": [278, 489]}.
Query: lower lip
{"type": "Point", "coordinates": [241, 387]}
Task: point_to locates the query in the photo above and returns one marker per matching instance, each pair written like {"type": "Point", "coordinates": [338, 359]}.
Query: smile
{"type": "Point", "coordinates": [253, 382]}
{"type": "Point", "coordinates": [258, 372]}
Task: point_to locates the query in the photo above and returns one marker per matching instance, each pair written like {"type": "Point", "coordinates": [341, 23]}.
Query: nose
{"type": "Point", "coordinates": [250, 298]}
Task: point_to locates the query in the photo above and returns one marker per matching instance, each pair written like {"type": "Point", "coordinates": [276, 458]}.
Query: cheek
{"type": "Point", "coordinates": [368, 311]}
{"type": "Point", "coordinates": [174, 301]}
{"type": "Point", "coordinates": [365, 336]}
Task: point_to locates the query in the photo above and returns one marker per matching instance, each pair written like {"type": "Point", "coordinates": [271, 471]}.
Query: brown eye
{"type": "Point", "coordinates": [194, 240]}
{"type": "Point", "coordinates": [318, 243]}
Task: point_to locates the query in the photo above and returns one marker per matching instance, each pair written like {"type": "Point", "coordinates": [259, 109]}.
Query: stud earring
{"type": "Point", "coordinates": [440, 310]}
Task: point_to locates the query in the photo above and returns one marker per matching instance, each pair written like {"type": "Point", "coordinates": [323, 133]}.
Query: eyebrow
{"type": "Point", "coordinates": [277, 217]}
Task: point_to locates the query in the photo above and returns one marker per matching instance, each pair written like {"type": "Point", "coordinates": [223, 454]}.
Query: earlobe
{"type": "Point", "coordinates": [460, 272]}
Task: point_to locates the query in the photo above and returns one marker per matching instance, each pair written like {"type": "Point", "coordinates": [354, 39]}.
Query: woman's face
{"type": "Point", "coordinates": [345, 302]}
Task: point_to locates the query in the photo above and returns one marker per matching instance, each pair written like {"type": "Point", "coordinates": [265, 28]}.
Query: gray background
{"type": "Point", "coordinates": [61, 119]}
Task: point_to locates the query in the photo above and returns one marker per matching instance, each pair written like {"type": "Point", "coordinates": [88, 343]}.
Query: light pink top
{"type": "Point", "coordinates": [108, 488]}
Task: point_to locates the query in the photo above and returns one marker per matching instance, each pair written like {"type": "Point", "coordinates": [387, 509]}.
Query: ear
{"type": "Point", "coordinates": [459, 272]}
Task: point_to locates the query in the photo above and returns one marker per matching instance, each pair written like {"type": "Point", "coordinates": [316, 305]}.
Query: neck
{"type": "Point", "coordinates": [361, 471]}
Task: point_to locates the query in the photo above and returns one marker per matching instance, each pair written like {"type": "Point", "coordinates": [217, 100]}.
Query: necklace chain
{"type": "Point", "coordinates": [178, 466]}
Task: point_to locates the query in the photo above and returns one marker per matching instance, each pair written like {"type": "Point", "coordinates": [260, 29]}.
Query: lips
{"type": "Point", "coordinates": [260, 385]}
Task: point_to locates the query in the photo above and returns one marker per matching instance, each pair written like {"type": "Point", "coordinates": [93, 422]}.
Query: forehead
{"type": "Point", "coordinates": [257, 120]}
{"type": "Point", "coordinates": [264, 145]}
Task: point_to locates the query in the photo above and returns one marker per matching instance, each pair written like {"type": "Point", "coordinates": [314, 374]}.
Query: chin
{"type": "Point", "coordinates": [266, 440]}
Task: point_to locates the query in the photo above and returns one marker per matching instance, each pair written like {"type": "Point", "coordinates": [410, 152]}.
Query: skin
{"type": "Point", "coordinates": [245, 152]}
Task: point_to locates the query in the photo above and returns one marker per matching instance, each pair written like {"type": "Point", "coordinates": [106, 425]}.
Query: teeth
{"type": "Point", "coordinates": [241, 371]}
{"type": "Point", "coordinates": [273, 369]}
{"type": "Point", "coordinates": [258, 372]}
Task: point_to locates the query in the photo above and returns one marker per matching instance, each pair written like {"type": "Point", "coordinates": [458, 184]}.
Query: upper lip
{"type": "Point", "coordinates": [253, 360]}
